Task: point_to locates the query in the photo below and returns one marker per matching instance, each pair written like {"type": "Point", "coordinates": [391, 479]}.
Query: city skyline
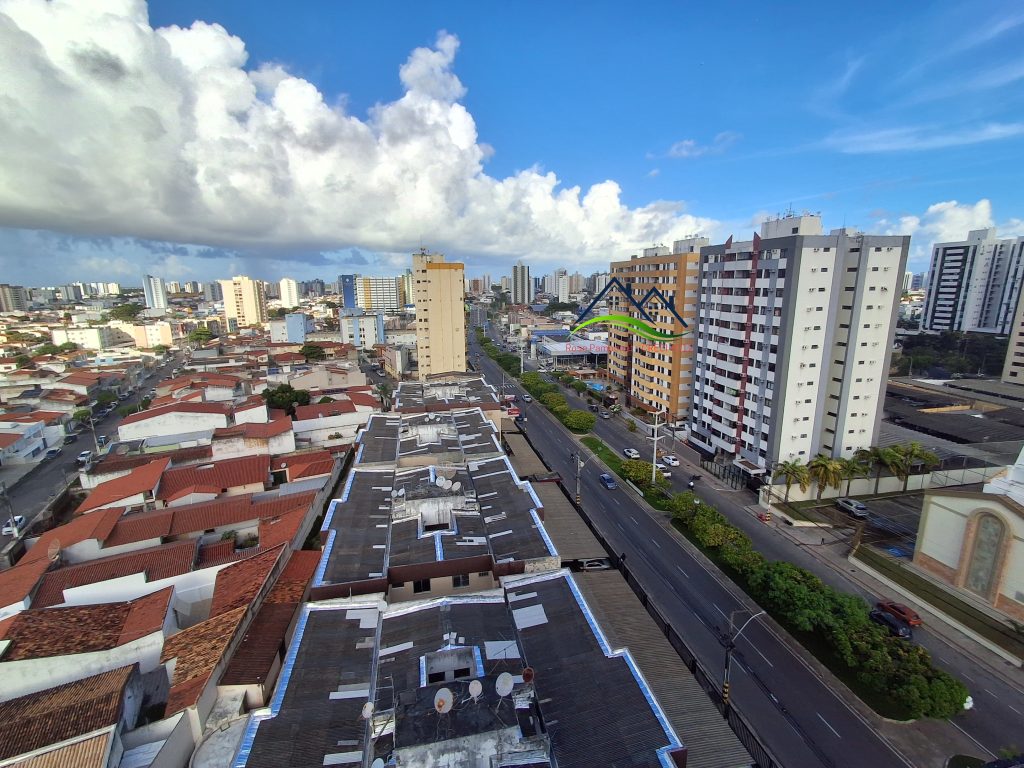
{"type": "Point", "coordinates": [887, 154]}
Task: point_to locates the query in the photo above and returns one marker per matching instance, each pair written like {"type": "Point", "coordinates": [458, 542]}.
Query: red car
{"type": "Point", "coordinates": [900, 611]}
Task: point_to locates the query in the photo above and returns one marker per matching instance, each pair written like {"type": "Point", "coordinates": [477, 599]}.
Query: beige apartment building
{"type": "Point", "coordinates": [656, 375]}
{"type": "Point", "coordinates": [439, 293]}
{"type": "Point", "coordinates": [245, 302]}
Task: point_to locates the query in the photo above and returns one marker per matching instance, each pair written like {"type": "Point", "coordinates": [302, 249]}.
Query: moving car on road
{"type": "Point", "coordinates": [527, 399]}
{"type": "Point", "coordinates": [52, 453]}
{"type": "Point", "coordinates": [605, 415]}
{"type": "Point", "coordinates": [896, 627]}
{"type": "Point", "coordinates": [670, 460]}
{"type": "Point", "coordinates": [608, 481]}
{"type": "Point", "coordinates": [664, 470]}
{"type": "Point", "coordinates": [84, 457]}
{"type": "Point", "coordinates": [900, 611]}
{"type": "Point", "coordinates": [631, 453]}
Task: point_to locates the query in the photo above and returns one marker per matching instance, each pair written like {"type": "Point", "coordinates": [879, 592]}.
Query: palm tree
{"type": "Point", "coordinates": [880, 458]}
{"type": "Point", "coordinates": [852, 469]}
{"type": "Point", "coordinates": [826, 472]}
{"type": "Point", "coordinates": [793, 472]}
{"type": "Point", "coordinates": [913, 455]}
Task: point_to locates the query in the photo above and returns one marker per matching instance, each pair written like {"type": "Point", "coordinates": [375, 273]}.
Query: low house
{"type": "Point", "coordinates": [336, 422]}
{"type": "Point", "coordinates": [21, 443]}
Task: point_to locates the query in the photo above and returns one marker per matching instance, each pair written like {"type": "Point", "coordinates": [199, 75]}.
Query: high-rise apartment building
{"type": "Point", "coordinates": [522, 285]}
{"type": "Point", "coordinates": [440, 314]}
{"type": "Point", "coordinates": [562, 288]}
{"type": "Point", "coordinates": [347, 290]}
{"type": "Point", "coordinates": [974, 284]}
{"type": "Point", "coordinates": [917, 283]}
{"type": "Point", "coordinates": [289, 290]}
{"type": "Point", "coordinates": [656, 376]}
{"type": "Point", "coordinates": [384, 294]}
{"type": "Point", "coordinates": [793, 342]}
{"type": "Point", "coordinates": [1013, 366]}
{"type": "Point", "coordinates": [174, 287]}
{"type": "Point", "coordinates": [212, 291]}
{"type": "Point", "coordinates": [155, 291]}
{"type": "Point", "coordinates": [13, 298]}
{"type": "Point", "coordinates": [245, 301]}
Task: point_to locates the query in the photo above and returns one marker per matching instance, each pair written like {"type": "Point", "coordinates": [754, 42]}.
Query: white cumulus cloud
{"type": "Point", "coordinates": [110, 127]}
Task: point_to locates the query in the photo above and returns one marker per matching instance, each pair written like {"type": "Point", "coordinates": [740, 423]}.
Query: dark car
{"type": "Point", "coordinates": [594, 408]}
{"type": "Point", "coordinates": [69, 439]}
{"type": "Point", "coordinates": [900, 611]}
{"type": "Point", "coordinates": [608, 481]}
{"type": "Point", "coordinates": [896, 627]}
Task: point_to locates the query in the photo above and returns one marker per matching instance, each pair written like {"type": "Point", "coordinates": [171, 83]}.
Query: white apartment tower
{"type": "Point", "coordinates": [522, 285]}
{"type": "Point", "coordinates": [793, 342]}
{"type": "Point", "coordinates": [289, 292]}
{"type": "Point", "coordinates": [245, 301]}
{"type": "Point", "coordinates": [974, 284]}
{"type": "Point", "coordinates": [155, 291]}
{"type": "Point", "coordinates": [440, 314]}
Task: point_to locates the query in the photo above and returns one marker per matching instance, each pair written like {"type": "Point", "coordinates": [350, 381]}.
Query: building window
{"type": "Point", "coordinates": [460, 580]}
{"type": "Point", "coordinates": [421, 585]}
{"type": "Point", "coordinates": [985, 555]}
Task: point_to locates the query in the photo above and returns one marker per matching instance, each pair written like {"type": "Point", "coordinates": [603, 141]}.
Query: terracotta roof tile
{"type": "Point", "coordinates": [260, 645]}
{"type": "Point", "coordinates": [113, 462]}
{"type": "Point", "coordinates": [239, 583]}
{"type": "Point", "coordinates": [20, 582]}
{"type": "Point", "coordinates": [300, 465]}
{"type": "Point", "coordinates": [84, 753]}
{"type": "Point", "coordinates": [156, 563]}
{"type": "Point", "coordinates": [216, 554]}
{"type": "Point", "coordinates": [255, 431]}
{"type": "Point", "coordinates": [140, 527]}
{"type": "Point", "coordinates": [97, 526]}
{"type": "Point", "coordinates": [282, 529]}
{"type": "Point", "coordinates": [144, 479]}
{"type": "Point", "coordinates": [198, 650]}
{"type": "Point", "coordinates": [46, 632]}
{"type": "Point", "coordinates": [73, 709]}
{"type": "Point", "coordinates": [220, 475]}
{"type": "Point", "coordinates": [324, 410]}
{"type": "Point", "coordinates": [291, 584]}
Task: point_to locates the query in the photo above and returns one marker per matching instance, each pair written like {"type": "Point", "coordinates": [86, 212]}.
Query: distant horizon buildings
{"type": "Point", "coordinates": [974, 284]}
{"type": "Point", "coordinates": [155, 291]}
{"type": "Point", "coordinates": [522, 285]}
{"type": "Point", "coordinates": [289, 292]}
{"type": "Point", "coordinates": [245, 301]}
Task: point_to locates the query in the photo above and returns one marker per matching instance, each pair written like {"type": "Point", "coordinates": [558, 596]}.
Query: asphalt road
{"type": "Point", "coordinates": [36, 490]}
{"type": "Point", "coordinates": [820, 717]}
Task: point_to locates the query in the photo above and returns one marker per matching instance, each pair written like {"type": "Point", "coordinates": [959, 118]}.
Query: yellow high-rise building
{"type": "Point", "coordinates": [439, 294]}
{"type": "Point", "coordinates": [245, 301]}
{"type": "Point", "coordinates": [656, 376]}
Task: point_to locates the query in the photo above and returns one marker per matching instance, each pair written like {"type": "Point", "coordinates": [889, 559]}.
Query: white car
{"type": "Point", "coordinates": [671, 460]}
{"type": "Point", "coordinates": [663, 469]}
{"type": "Point", "coordinates": [84, 457]}
{"type": "Point", "coordinates": [631, 453]}
{"type": "Point", "coordinates": [854, 507]}
{"type": "Point", "coordinates": [8, 529]}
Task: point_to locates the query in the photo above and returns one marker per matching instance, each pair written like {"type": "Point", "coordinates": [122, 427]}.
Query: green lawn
{"type": "Point", "coordinates": [988, 627]}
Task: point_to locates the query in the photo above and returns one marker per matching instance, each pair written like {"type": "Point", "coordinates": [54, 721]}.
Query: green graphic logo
{"type": "Point", "coordinates": [641, 327]}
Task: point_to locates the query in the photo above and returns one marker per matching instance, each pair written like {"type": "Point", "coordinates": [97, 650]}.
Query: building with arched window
{"type": "Point", "coordinates": [974, 541]}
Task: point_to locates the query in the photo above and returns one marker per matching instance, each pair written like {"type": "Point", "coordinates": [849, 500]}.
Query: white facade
{"type": "Point", "coordinates": [96, 337]}
{"type": "Point", "coordinates": [362, 331]}
{"type": "Point", "coordinates": [562, 288]}
{"type": "Point", "coordinates": [793, 341]}
{"type": "Point", "coordinates": [289, 292]}
{"type": "Point", "coordinates": [156, 292]}
{"type": "Point", "coordinates": [974, 284]}
{"type": "Point", "coordinates": [379, 293]}
{"type": "Point", "coordinates": [171, 423]}
{"type": "Point", "coordinates": [24, 442]}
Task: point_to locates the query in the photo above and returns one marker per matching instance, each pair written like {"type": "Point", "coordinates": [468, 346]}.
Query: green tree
{"type": "Point", "coordinates": [793, 472]}
{"type": "Point", "coordinates": [127, 312]}
{"type": "Point", "coordinates": [161, 349]}
{"type": "Point", "coordinates": [105, 397]}
{"type": "Point", "coordinates": [825, 472]}
{"type": "Point", "coordinates": [81, 415]}
{"type": "Point", "coordinates": [795, 595]}
{"type": "Point", "coordinates": [879, 458]}
{"type": "Point", "coordinates": [553, 400]}
{"type": "Point", "coordinates": [201, 335]}
{"type": "Point", "coordinates": [22, 360]}
{"type": "Point", "coordinates": [710, 527]}
{"type": "Point", "coordinates": [914, 456]}
{"type": "Point", "coordinates": [579, 421]}
{"type": "Point", "coordinates": [851, 469]}
{"type": "Point", "coordinates": [127, 410]}
{"type": "Point", "coordinates": [639, 472]}
{"type": "Point", "coordinates": [579, 386]}
{"type": "Point", "coordinates": [683, 506]}
{"type": "Point", "coordinates": [285, 397]}
{"type": "Point", "coordinates": [325, 399]}
{"type": "Point", "coordinates": [313, 352]}
{"type": "Point", "coordinates": [48, 349]}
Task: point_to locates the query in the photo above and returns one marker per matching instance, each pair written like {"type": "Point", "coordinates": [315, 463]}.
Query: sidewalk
{"type": "Point", "coordinates": [832, 553]}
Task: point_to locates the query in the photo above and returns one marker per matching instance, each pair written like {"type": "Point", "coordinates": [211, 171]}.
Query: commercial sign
{"type": "Point", "coordinates": [643, 326]}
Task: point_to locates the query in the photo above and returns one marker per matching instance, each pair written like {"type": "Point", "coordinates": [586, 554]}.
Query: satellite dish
{"type": "Point", "coordinates": [439, 482]}
{"type": "Point", "coordinates": [447, 484]}
{"type": "Point", "coordinates": [528, 675]}
{"type": "Point", "coordinates": [401, 491]}
{"type": "Point", "coordinates": [367, 712]}
{"type": "Point", "coordinates": [394, 494]}
{"type": "Point", "coordinates": [378, 763]}
{"type": "Point", "coordinates": [475, 689]}
{"type": "Point", "coordinates": [53, 551]}
{"type": "Point", "coordinates": [503, 685]}
{"type": "Point", "coordinates": [456, 485]}
{"type": "Point", "coordinates": [443, 701]}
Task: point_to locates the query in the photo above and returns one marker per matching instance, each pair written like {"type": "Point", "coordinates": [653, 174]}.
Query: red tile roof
{"type": "Point", "coordinates": [239, 584]}
{"type": "Point", "coordinates": [115, 462]}
{"type": "Point", "coordinates": [291, 584]}
{"type": "Point", "coordinates": [282, 529]}
{"type": "Point", "coordinates": [63, 712]}
{"type": "Point", "coordinates": [303, 465]}
{"type": "Point", "coordinates": [288, 357]}
{"type": "Point", "coordinates": [144, 479]}
{"type": "Point", "coordinates": [156, 563]}
{"type": "Point", "coordinates": [198, 650]}
{"type": "Point", "coordinates": [46, 632]}
{"type": "Point", "coordinates": [63, 396]}
{"type": "Point", "coordinates": [97, 525]}
{"type": "Point", "coordinates": [216, 477]}
{"type": "Point", "coordinates": [8, 439]}
{"type": "Point", "coordinates": [261, 644]}
{"type": "Point", "coordinates": [255, 431]}
{"type": "Point", "coordinates": [19, 582]}
{"type": "Point", "coordinates": [178, 406]}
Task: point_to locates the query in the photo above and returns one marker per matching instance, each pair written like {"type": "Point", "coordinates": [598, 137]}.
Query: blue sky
{"type": "Point", "coordinates": [904, 119]}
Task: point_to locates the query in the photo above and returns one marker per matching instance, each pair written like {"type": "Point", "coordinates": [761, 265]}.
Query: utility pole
{"type": "Point", "coordinates": [578, 461]}
{"type": "Point", "coordinates": [654, 454]}
{"type": "Point", "coordinates": [95, 440]}
{"type": "Point", "coordinates": [730, 644]}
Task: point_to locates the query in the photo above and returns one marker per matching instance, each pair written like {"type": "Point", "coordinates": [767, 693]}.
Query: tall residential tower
{"type": "Point", "coordinates": [440, 314]}
{"type": "Point", "coordinates": [155, 291]}
{"type": "Point", "coordinates": [245, 302]}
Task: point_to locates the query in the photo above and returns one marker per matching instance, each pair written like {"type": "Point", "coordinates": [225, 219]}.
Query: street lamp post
{"type": "Point", "coordinates": [730, 644]}
{"type": "Point", "coordinates": [654, 453]}
{"type": "Point", "coordinates": [579, 463]}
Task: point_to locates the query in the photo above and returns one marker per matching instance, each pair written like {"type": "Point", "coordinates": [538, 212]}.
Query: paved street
{"type": "Point", "coordinates": [774, 681]}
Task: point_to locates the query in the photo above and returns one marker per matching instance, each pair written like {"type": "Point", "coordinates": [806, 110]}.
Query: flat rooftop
{"type": "Point", "coordinates": [417, 439]}
{"type": "Point", "coordinates": [445, 393]}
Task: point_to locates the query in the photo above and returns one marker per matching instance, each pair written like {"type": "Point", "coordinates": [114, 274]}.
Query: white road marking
{"type": "Point", "coordinates": [965, 733]}
{"type": "Point", "coordinates": [758, 652]}
{"type": "Point", "coordinates": [967, 676]}
{"type": "Point", "coordinates": [986, 690]}
{"type": "Point", "coordinates": [634, 520]}
{"type": "Point", "coordinates": [1013, 708]}
{"type": "Point", "coordinates": [720, 610]}
{"type": "Point", "coordinates": [682, 572]}
{"type": "Point", "coordinates": [655, 542]}
{"type": "Point", "coordinates": [829, 726]}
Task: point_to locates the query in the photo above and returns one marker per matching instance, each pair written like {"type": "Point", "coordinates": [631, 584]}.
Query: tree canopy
{"type": "Point", "coordinates": [312, 352]}
{"type": "Point", "coordinates": [285, 397]}
{"type": "Point", "coordinates": [125, 311]}
{"type": "Point", "coordinates": [200, 335]}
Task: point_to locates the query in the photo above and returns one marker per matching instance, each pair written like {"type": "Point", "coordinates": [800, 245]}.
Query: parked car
{"type": "Point", "coordinates": [664, 470]}
{"type": "Point", "coordinates": [124, 396]}
{"type": "Point", "coordinates": [671, 460]}
{"type": "Point", "coordinates": [102, 439]}
{"type": "Point", "coordinates": [608, 481]}
{"type": "Point", "coordinates": [605, 415]}
{"type": "Point", "coordinates": [598, 564]}
{"type": "Point", "coordinates": [52, 453]}
{"type": "Point", "coordinates": [631, 453]}
{"type": "Point", "coordinates": [593, 407]}
{"type": "Point", "coordinates": [527, 399]}
{"type": "Point", "coordinates": [854, 507]}
{"type": "Point", "coordinates": [900, 611]}
{"type": "Point", "coordinates": [17, 521]}
{"type": "Point", "coordinates": [896, 627]}
{"type": "Point", "coordinates": [84, 457]}
{"type": "Point", "coordinates": [69, 439]}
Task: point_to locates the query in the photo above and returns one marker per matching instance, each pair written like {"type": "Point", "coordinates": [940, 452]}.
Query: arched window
{"type": "Point", "coordinates": [988, 541]}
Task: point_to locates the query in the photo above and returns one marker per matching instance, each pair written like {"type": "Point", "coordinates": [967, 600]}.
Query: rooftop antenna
{"type": "Point", "coordinates": [475, 689]}
{"type": "Point", "coordinates": [447, 484]}
{"type": "Point", "coordinates": [378, 763]}
{"type": "Point", "coordinates": [443, 701]}
{"type": "Point", "coordinates": [401, 491]}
